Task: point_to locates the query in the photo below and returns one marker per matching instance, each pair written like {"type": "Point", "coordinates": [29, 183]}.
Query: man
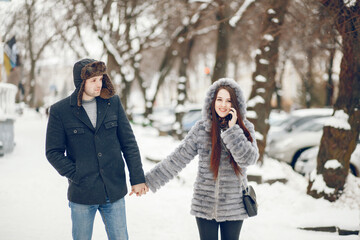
{"type": "Point", "coordinates": [87, 134]}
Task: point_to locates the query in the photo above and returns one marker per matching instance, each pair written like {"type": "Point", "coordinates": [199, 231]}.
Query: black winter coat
{"type": "Point", "coordinates": [91, 158]}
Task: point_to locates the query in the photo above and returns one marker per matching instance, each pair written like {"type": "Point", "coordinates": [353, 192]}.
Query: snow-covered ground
{"type": "Point", "coordinates": [33, 204]}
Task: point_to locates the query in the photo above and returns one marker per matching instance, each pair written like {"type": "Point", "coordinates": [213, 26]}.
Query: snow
{"type": "Point", "coordinates": [319, 184]}
{"type": "Point", "coordinates": [260, 78]}
{"type": "Point", "coordinates": [350, 3]}
{"type": "Point", "coordinates": [237, 16]}
{"type": "Point", "coordinates": [334, 164]}
{"type": "Point", "coordinates": [260, 90]}
{"type": "Point", "coordinates": [339, 120]}
{"type": "Point", "coordinates": [34, 205]}
{"type": "Point", "coordinates": [251, 114]}
{"type": "Point", "coordinates": [255, 100]}
{"type": "Point", "coordinates": [275, 20]}
{"type": "Point", "coordinates": [259, 136]}
{"type": "Point", "coordinates": [268, 37]}
{"type": "Point", "coordinates": [271, 11]}
{"type": "Point", "coordinates": [264, 61]}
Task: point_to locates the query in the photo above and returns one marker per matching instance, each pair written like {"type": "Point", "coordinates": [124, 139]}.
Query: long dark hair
{"type": "Point", "coordinates": [215, 132]}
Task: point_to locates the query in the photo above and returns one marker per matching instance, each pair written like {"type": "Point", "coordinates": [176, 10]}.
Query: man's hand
{"type": "Point", "coordinates": [139, 189]}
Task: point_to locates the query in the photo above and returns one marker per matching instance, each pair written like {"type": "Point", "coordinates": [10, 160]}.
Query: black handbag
{"type": "Point", "coordinates": [249, 200]}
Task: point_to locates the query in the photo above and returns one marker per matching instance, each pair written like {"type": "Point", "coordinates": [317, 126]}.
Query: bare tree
{"type": "Point", "coordinates": [38, 32]}
{"type": "Point", "coordinates": [264, 75]}
{"type": "Point", "coordinates": [339, 139]}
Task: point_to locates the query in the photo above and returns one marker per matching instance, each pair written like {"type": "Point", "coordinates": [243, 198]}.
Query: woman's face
{"type": "Point", "coordinates": [223, 103]}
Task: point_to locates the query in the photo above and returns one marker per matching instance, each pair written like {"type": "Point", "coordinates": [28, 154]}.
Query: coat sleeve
{"type": "Point", "coordinates": [55, 147]}
{"type": "Point", "coordinates": [174, 163]}
{"type": "Point", "coordinates": [129, 148]}
{"type": "Point", "coordinates": [245, 153]}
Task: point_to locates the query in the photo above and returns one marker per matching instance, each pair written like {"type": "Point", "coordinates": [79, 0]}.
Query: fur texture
{"type": "Point", "coordinates": [219, 199]}
{"type": "Point", "coordinates": [92, 68]}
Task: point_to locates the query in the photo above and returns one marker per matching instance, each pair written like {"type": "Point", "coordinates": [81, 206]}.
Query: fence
{"type": "Point", "coordinates": [7, 117]}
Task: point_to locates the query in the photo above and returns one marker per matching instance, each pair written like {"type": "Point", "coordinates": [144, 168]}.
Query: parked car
{"type": "Point", "coordinates": [190, 118]}
{"type": "Point", "coordinates": [163, 119]}
{"type": "Point", "coordinates": [294, 120]}
{"type": "Point", "coordinates": [1, 149]}
{"type": "Point", "coordinates": [307, 161]}
{"type": "Point", "coordinates": [290, 145]}
{"type": "Point", "coordinates": [277, 117]}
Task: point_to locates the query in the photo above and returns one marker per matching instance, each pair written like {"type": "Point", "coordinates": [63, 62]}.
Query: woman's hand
{"type": "Point", "coordinates": [233, 120]}
{"type": "Point", "coordinates": [139, 189]}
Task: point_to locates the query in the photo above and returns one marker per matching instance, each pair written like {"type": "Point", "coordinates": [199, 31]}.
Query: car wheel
{"type": "Point", "coordinates": [296, 156]}
{"type": "Point", "coordinates": [354, 171]}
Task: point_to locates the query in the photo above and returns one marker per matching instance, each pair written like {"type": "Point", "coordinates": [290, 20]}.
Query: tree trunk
{"type": "Point", "coordinates": [183, 79]}
{"type": "Point", "coordinates": [31, 85]}
{"type": "Point", "coordinates": [278, 85]}
{"type": "Point", "coordinates": [330, 83]}
{"type": "Point", "coordinates": [339, 140]}
{"type": "Point", "coordinates": [309, 81]}
{"type": "Point", "coordinates": [264, 76]}
{"type": "Point", "coordinates": [222, 45]}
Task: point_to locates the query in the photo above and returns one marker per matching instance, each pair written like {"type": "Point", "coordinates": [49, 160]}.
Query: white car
{"type": "Point", "coordinates": [288, 146]}
{"type": "Point", "coordinates": [294, 120]}
{"type": "Point", "coordinates": [307, 161]}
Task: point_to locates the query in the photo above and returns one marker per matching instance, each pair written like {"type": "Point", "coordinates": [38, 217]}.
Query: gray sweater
{"type": "Point", "coordinates": [219, 199]}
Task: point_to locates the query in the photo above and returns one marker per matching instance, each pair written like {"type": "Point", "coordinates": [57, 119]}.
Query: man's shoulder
{"type": "Point", "coordinates": [114, 100]}
{"type": "Point", "coordinates": [61, 103]}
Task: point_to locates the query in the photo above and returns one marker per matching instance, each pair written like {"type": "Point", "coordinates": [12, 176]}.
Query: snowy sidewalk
{"type": "Point", "coordinates": [33, 202]}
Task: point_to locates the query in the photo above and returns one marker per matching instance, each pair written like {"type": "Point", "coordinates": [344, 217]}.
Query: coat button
{"type": "Point", "coordinates": [75, 131]}
{"type": "Point", "coordinates": [100, 154]}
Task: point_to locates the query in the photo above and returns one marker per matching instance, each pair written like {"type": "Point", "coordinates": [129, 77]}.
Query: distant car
{"type": "Point", "coordinates": [294, 120]}
{"type": "Point", "coordinates": [1, 149]}
{"type": "Point", "coordinates": [290, 145]}
{"type": "Point", "coordinates": [164, 118]}
{"type": "Point", "coordinates": [190, 118]}
{"type": "Point", "coordinates": [307, 161]}
{"type": "Point", "coordinates": [277, 117]}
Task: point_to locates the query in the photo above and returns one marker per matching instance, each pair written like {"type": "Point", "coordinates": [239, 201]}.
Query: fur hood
{"type": "Point", "coordinates": [206, 111]}
{"type": "Point", "coordinates": [88, 68]}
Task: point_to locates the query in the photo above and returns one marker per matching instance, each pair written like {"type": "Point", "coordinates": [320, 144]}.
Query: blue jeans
{"type": "Point", "coordinates": [113, 216]}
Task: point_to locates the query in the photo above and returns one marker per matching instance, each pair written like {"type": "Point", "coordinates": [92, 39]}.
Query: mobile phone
{"type": "Point", "coordinates": [228, 117]}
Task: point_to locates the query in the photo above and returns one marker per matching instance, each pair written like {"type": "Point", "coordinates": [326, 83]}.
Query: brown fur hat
{"type": "Point", "coordinates": [93, 69]}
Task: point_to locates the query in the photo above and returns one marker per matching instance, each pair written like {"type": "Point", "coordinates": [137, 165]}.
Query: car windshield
{"type": "Point", "coordinates": [313, 125]}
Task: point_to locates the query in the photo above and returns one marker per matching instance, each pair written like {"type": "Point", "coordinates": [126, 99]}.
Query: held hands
{"type": "Point", "coordinates": [139, 189]}
{"type": "Point", "coordinates": [233, 120]}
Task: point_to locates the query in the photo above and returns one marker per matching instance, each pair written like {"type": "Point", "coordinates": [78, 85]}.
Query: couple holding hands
{"type": "Point", "coordinates": [89, 137]}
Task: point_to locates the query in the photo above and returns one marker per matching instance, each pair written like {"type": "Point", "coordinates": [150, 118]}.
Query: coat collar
{"type": "Point", "coordinates": [102, 106]}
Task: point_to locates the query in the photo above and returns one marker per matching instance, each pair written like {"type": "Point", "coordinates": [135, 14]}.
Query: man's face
{"type": "Point", "coordinates": [92, 87]}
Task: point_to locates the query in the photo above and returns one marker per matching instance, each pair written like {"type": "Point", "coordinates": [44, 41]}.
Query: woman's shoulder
{"type": "Point", "coordinates": [198, 126]}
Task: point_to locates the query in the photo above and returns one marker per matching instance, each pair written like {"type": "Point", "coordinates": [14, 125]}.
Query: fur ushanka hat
{"type": "Point", "coordinates": [88, 68]}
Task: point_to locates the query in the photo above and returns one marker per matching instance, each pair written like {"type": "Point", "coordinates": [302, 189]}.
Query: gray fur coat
{"type": "Point", "coordinates": [219, 199]}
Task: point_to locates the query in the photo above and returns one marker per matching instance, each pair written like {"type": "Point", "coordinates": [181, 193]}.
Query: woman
{"type": "Point", "coordinates": [225, 142]}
